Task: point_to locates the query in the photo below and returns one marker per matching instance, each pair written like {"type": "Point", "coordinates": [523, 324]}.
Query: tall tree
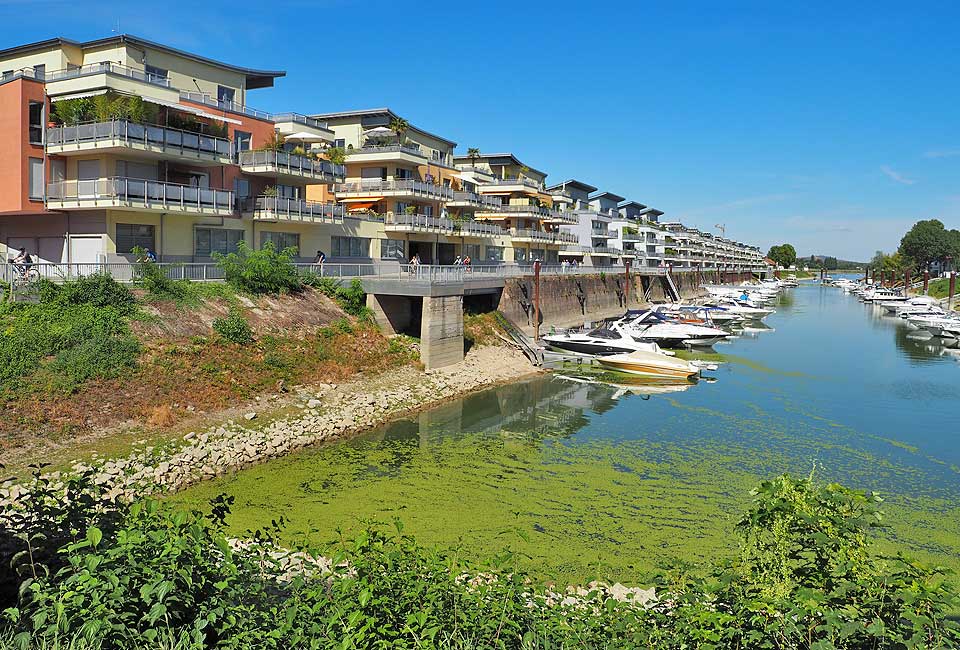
{"type": "Point", "coordinates": [474, 155]}
{"type": "Point", "coordinates": [399, 126]}
{"type": "Point", "coordinates": [926, 242]}
{"type": "Point", "coordinates": [784, 255]}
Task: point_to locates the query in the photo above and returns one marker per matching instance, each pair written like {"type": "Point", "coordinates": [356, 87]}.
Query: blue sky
{"type": "Point", "coordinates": [833, 126]}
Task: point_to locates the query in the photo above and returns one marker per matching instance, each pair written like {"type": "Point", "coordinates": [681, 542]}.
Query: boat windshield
{"type": "Point", "coordinates": [604, 333]}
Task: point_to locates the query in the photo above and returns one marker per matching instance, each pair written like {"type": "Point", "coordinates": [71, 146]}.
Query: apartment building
{"type": "Point", "coordinates": [122, 142]}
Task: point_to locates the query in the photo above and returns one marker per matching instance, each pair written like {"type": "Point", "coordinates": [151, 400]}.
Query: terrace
{"type": "Point", "coordinates": [290, 167]}
{"type": "Point", "coordinates": [138, 194]}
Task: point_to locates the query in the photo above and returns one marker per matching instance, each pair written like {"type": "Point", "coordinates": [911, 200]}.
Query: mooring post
{"type": "Point", "coordinates": [626, 286]}
{"type": "Point", "coordinates": [926, 281]}
{"type": "Point", "coordinates": [536, 301]}
{"type": "Point", "coordinates": [953, 288]}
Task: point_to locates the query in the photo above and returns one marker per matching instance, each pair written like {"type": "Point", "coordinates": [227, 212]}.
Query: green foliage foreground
{"type": "Point", "coordinates": [131, 575]}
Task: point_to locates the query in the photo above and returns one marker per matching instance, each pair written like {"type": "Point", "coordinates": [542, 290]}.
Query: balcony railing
{"type": "Point", "coordinates": [480, 229]}
{"type": "Point", "coordinates": [596, 231]}
{"type": "Point", "coordinates": [526, 209]}
{"type": "Point", "coordinates": [528, 182]}
{"type": "Point", "coordinates": [479, 200]}
{"type": "Point", "coordinates": [601, 250]}
{"type": "Point", "coordinates": [406, 186]}
{"type": "Point", "coordinates": [107, 67]}
{"type": "Point", "coordinates": [150, 194]}
{"type": "Point", "coordinates": [388, 148]}
{"type": "Point", "coordinates": [285, 209]}
{"type": "Point", "coordinates": [126, 133]}
{"type": "Point", "coordinates": [234, 107]}
{"type": "Point", "coordinates": [418, 222]}
{"type": "Point", "coordinates": [297, 118]}
{"type": "Point", "coordinates": [288, 163]}
{"type": "Point", "coordinates": [536, 235]}
{"type": "Point", "coordinates": [567, 237]}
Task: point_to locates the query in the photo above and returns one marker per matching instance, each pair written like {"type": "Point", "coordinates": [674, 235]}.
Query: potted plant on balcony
{"type": "Point", "coordinates": [410, 210]}
{"type": "Point", "coordinates": [337, 155]}
{"type": "Point", "coordinates": [269, 190]}
{"type": "Point", "coordinates": [399, 126]}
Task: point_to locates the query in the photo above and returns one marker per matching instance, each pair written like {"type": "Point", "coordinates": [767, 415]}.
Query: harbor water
{"type": "Point", "coordinates": [585, 478]}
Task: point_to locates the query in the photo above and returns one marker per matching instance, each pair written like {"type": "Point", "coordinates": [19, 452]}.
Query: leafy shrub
{"type": "Point", "coordinates": [351, 298]}
{"type": "Point", "coordinates": [73, 343]}
{"type": "Point", "coordinates": [97, 289]}
{"type": "Point", "coordinates": [265, 271]}
{"type": "Point", "coordinates": [234, 328]}
{"type": "Point", "coordinates": [151, 277]}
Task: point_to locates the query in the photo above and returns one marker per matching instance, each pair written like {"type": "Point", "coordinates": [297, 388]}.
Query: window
{"type": "Point", "coordinates": [537, 254]}
{"type": "Point", "coordinates": [288, 191]}
{"type": "Point", "coordinates": [281, 240]}
{"type": "Point", "coordinates": [402, 207]}
{"type": "Point", "coordinates": [207, 241]}
{"type": "Point", "coordinates": [243, 140]}
{"type": "Point", "coordinates": [392, 249]}
{"type": "Point", "coordinates": [241, 188]}
{"type": "Point", "coordinates": [40, 71]}
{"type": "Point", "coordinates": [36, 179]}
{"type": "Point", "coordinates": [340, 142]}
{"type": "Point", "coordinates": [494, 254]}
{"type": "Point", "coordinates": [427, 210]}
{"type": "Point", "coordinates": [156, 74]}
{"type": "Point", "coordinates": [553, 257]}
{"type": "Point", "coordinates": [519, 254]}
{"type": "Point", "coordinates": [131, 235]}
{"type": "Point", "coordinates": [472, 251]}
{"type": "Point", "coordinates": [351, 246]}
{"type": "Point", "coordinates": [36, 122]}
{"type": "Point", "coordinates": [225, 94]}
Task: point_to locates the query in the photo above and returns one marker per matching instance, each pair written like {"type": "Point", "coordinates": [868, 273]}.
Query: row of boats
{"type": "Point", "coordinates": [641, 341]}
{"type": "Point", "coordinates": [923, 313]}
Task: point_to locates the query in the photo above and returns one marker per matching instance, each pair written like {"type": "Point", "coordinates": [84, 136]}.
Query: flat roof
{"type": "Point", "coordinates": [580, 185]}
{"type": "Point", "coordinates": [507, 155]}
{"type": "Point", "coordinates": [379, 111]}
{"type": "Point", "coordinates": [608, 195]}
{"type": "Point", "coordinates": [653, 211]}
{"type": "Point", "coordinates": [255, 78]}
{"type": "Point", "coordinates": [627, 204]}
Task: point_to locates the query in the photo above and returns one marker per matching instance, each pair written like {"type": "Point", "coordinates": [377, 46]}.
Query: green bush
{"type": "Point", "coordinates": [234, 328]}
{"type": "Point", "coordinates": [72, 343]}
{"type": "Point", "coordinates": [265, 271]}
{"type": "Point", "coordinates": [154, 280]}
{"type": "Point", "coordinates": [97, 289]}
{"type": "Point", "coordinates": [805, 578]}
{"type": "Point", "coordinates": [351, 298]}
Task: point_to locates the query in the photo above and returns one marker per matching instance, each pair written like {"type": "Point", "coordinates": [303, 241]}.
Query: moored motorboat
{"type": "Point", "coordinates": [600, 341]}
{"type": "Point", "coordinates": [649, 361]}
{"type": "Point", "coordinates": [653, 326]}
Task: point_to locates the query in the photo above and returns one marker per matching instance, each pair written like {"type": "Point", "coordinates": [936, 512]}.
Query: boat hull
{"type": "Point", "coordinates": [581, 347]}
{"type": "Point", "coordinates": [649, 365]}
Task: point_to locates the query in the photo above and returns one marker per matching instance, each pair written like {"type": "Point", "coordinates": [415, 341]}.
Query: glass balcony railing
{"type": "Point", "coordinates": [478, 200]}
{"type": "Point", "coordinates": [419, 222]}
{"type": "Point", "coordinates": [242, 109]}
{"type": "Point", "coordinates": [286, 209]}
{"type": "Point", "coordinates": [388, 148]}
{"type": "Point", "coordinates": [126, 133]}
{"type": "Point", "coordinates": [480, 229]}
{"type": "Point", "coordinates": [139, 192]}
{"type": "Point", "coordinates": [399, 186]}
{"type": "Point", "coordinates": [107, 67]}
{"type": "Point", "coordinates": [294, 164]}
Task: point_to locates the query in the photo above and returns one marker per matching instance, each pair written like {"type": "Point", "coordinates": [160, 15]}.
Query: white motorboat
{"type": "Point", "coordinates": [600, 341]}
{"type": "Point", "coordinates": [654, 326]}
{"type": "Point", "coordinates": [745, 308]}
{"type": "Point", "coordinates": [710, 315]}
{"type": "Point", "coordinates": [650, 361]}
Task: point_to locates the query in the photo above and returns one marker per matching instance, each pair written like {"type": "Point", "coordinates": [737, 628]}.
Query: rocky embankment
{"type": "Point", "coordinates": [317, 414]}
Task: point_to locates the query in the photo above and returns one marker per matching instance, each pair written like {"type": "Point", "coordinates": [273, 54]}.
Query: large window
{"type": "Point", "coordinates": [243, 140]}
{"type": "Point", "coordinates": [36, 178]}
{"type": "Point", "coordinates": [351, 246]}
{"type": "Point", "coordinates": [520, 255]}
{"type": "Point", "coordinates": [553, 257]}
{"type": "Point", "coordinates": [537, 254]}
{"type": "Point", "coordinates": [281, 240]}
{"type": "Point", "coordinates": [392, 249]}
{"type": "Point", "coordinates": [225, 94]}
{"type": "Point", "coordinates": [131, 235]}
{"type": "Point", "coordinates": [494, 254]}
{"type": "Point", "coordinates": [156, 74]}
{"type": "Point", "coordinates": [36, 122]}
{"type": "Point", "coordinates": [207, 241]}
{"type": "Point", "coordinates": [472, 251]}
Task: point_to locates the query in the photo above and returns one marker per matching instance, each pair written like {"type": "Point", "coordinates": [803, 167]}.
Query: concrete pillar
{"type": "Point", "coordinates": [441, 331]}
{"type": "Point", "coordinates": [392, 313]}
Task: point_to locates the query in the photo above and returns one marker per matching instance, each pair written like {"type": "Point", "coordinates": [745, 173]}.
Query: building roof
{"type": "Point", "coordinates": [627, 204]}
{"type": "Point", "coordinates": [607, 195]}
{"type": "Point", "coordinates": [490, 157]}
{"type": "Point", "coordinates": [652, 211]}
{"type": "Point", "coordinates": [573, 183]}
{"type": "Point", "coordinates": [366, 112]}
{"type": "Point", "coordinates": [255, 78]}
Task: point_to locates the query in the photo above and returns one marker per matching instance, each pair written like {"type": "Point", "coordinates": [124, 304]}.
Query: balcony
{"type": "Point", "coordinates": [514, 210]}
{"type": "Point", "coordinates": [418, 223]}
{"type": "Point", "coordinates": [370, 188]}
{"type": "Point", "coordinates": [110, 75]}
{"type": "Point", "coordinates": [131, 138]}
{"type": "Point", "coordinates": [567, 238]}
{"type": "Point", "coordinates": [482, 230]}
{"type": "Point", "coordinates": [474, 200]}
{"type": "Point", "coordinates": [527, 185]}
{"type": "Point", "coordinates": [604, 251]}
{"type": "Point", "coordinates": [274, 208]}
{"type": "Point", "coordinates": [241, 109]}
{"type": "Point", "coordinates": [138, 194]}
{"type": "Point", "coordinates": [562, 217]}
{"type": "Point", "coordinates": [520, 235]}
{"type": "Point", "coordinates": [602, 232]}
{"type": "Point", "coordinates": [633, 237]}
{"type": "Point", "coordinates": [387, 152]}
{"type": "Point", "coordinates": [290, 167]}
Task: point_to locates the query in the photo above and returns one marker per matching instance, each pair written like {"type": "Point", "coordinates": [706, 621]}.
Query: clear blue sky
{"type": "Point", "coordinates": [833, 126]}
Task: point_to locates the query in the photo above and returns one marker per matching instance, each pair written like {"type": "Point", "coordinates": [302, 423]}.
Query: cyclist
{"type": "Point", "coordinates": [22, 262]}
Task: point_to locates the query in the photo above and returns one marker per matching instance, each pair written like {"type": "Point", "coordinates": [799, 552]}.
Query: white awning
{"type": "Point", "coordinates": [303, 136]}
{"type": "Point", "coordinates": [92, 93]}
{"type": "Point", "coordinates": [190, 109]}
{"type": "Point", "coordinates": [379, 132]}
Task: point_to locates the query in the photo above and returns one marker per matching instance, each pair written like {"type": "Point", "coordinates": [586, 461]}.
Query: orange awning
{"type": "Point", "coordinates": [362, 206]}
{"type": "Point", "coordinates": [366, 199]}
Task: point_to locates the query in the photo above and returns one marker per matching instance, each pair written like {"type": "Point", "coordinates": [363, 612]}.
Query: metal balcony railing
{"type": "Point", "coordinates": [281, 208]}
{"type": "Point", "coordinates": [479, 200]}
{"type": "Point", "coordinates": [412, 187]}
{"type": "Point", "coordinates": [138, 191]}
{"type": "Point", "coordinates": [483, 229]}
{"type": "Point", "coordinates": [107, 67]}
{"type": "Point", "coordinates": [419, 222]}
{"type": "Point", "coordinates": [536, 235]}
{"type": "Point", "coordinates": [388, 148]}
{"type": "Point", "coordinates": [173, 141]}
{"type": "Point", "coordinates": [567, 237]}
{"type": "Point", "coordinates": [528, 182]}
{"type": "Point", "coordinates": [297, 118]}
{"type": "Point", "coordinates": [290, 163]}
{"type": "Point", "coordinates": [241, 109]}
{"type": "Point", "coordinates": [605, 249]}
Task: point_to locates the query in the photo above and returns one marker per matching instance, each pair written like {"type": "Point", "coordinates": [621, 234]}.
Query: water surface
{"type": "Point", "coordinates": [585, 478]}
